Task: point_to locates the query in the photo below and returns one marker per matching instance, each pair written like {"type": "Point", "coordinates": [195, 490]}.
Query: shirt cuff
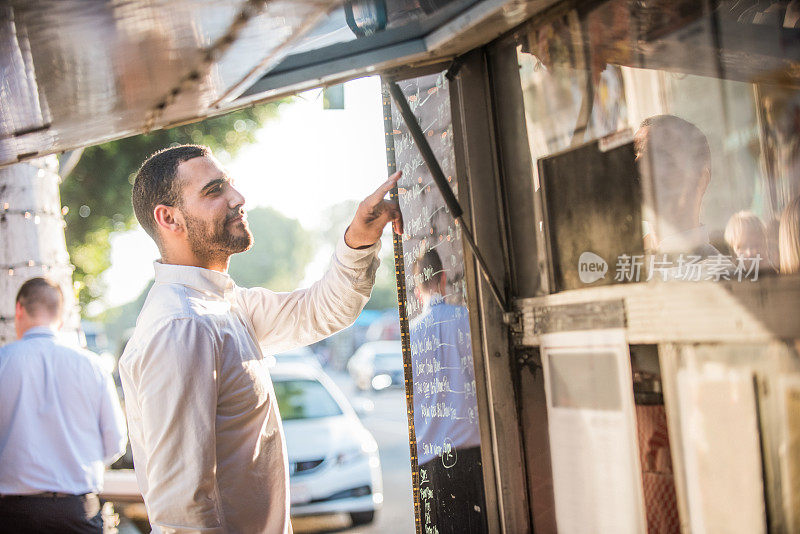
{"type": "Point", "coordinates": [354, 257]}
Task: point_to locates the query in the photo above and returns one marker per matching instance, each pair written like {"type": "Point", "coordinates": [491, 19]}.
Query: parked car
{"type": "Point", "coordinates": [385, 328]}
{"type": "Point", "coordinates": [333, 459]}
{"type": "Point", "coordinates": [377, 365]}
{"type": "Point", "coordinates": [298, 355]}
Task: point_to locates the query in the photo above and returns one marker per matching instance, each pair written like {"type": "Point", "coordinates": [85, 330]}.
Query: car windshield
{"type": "Point", "coordinates": [304, 399]}
{"type": "Point", "coordinates": [384, 359]}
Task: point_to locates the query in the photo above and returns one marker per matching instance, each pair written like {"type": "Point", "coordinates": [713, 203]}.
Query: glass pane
{"type": "Point", "coordinates": [449, 476]}
{"type": "Point", "coordinates": [704, 100]}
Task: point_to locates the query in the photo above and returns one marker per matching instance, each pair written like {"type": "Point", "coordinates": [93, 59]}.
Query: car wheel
{"type": "Point", "coordinates": [362, 518]}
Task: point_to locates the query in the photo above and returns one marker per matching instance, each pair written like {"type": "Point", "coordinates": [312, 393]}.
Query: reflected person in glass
{"type": "Point", "coordinates": [674, 157]}
{"type": "Point", "coordinates": [445, 404]}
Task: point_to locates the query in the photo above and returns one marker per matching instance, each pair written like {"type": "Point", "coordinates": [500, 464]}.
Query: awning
{"type": "Point", "coordinates": [77, 73]}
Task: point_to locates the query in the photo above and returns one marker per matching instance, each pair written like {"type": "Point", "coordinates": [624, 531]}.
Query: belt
{"type": "Point", "coordinates": [51, 494]}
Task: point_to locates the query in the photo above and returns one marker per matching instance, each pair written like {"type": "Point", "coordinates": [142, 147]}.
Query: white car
{"type": "Point", "coordinates": [333, 460]}
{"type": "Point", "coordinates": [298, 355]}
{"type": "Point", "coordinates": [377, 365]}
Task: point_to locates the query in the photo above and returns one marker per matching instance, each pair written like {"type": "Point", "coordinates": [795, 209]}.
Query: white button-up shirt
{"type": "Point", "coordinates": [60, 419]}
{"type": "Point", "coordinates": [208, 446]}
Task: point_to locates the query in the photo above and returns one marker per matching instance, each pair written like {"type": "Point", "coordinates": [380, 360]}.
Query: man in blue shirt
{"type": "Point", "coordinates": [60, 423]}
{"type": "Point", "coordinates": [445, 404]}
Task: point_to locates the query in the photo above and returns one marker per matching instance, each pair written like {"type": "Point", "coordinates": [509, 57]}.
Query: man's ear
{"type": "Point", "coordinates": [168, 219]}
{"type": "Point", "coordinates": [18, 311]}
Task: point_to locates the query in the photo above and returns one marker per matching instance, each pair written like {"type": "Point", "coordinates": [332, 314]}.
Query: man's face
{"type": "Point", "coordinates": [216, 223]}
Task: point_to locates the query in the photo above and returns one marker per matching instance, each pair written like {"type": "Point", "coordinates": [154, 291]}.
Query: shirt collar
{"type": "Point", "coordinates": [205, 280]}
{"type": "Point", "coordinates": [435, 300]}
{"type": "Point", "coordinates": [39, 331]}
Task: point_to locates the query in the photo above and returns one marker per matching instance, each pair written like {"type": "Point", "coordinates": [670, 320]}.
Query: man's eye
{"type": "Point", "coordinates": [215, 189]}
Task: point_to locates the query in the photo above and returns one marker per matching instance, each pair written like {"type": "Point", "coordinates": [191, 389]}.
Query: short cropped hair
{"type": "Point", "coordinates": [428, 270]}
{"type": "Point", "coordinates": [41, 296]}
{"type": "Point", "coordinates": [680, 147]}
{"type": "Point", "coordinates": [156, 183]}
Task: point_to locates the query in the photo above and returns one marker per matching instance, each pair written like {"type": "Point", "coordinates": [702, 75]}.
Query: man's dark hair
{"type": "Point", "coordinates": [156, 183]}
{"type": "Point", "coordinates": [41, 296]}
{"type": "Point", "coordinates": [428, 270]}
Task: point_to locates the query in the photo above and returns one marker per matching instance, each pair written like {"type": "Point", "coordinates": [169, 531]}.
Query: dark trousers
{"type": "Point", "coordinates": [34, 514]}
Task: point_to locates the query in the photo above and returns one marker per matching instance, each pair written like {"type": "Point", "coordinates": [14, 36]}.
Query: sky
{"type": "Point", "coordinates": [304, 160]}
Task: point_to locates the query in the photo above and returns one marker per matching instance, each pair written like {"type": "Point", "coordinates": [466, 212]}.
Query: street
{"type": "Point", "coordinates": [389, 425]}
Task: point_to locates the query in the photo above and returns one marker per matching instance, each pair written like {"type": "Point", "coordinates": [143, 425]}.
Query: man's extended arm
{"type": "Point", "coordinates": [283, 321]}
{"type": "Point", "coordinates": [175, 382]}
{"type": "Point", "coordinates": [286, 320]}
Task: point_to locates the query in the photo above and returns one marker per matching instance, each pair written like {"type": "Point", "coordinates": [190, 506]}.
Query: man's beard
{"type": "Point", "coordinates": [214, 240]}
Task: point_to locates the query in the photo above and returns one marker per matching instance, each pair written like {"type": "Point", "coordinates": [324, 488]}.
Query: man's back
{"type": "Point", "coordinates": [59, 417]}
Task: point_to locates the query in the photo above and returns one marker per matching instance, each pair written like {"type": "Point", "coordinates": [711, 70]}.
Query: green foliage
{"type": "Point", "coordinates": [98, 191]}
{"type": "Point", "coordinates": [384, 294]}
{"type": "Point", "coordinates": [337, 217]}
{"type": "Point", "coordinates": [279, 256]}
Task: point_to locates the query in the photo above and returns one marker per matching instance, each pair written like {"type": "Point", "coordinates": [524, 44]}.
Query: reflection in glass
{"type": "Point", "coordinates": [445, 413]}
{"type": "Point", "coordinates": [710, 94]}
{"type": "Point", "coordinates": [446, 421]}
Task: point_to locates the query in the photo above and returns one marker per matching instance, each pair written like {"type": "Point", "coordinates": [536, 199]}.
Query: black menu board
{"type": "Point", "coordinates": [437, 348]}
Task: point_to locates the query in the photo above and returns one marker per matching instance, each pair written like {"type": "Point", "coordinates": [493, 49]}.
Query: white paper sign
{"type": "Point", "coordinates": [593, 447]}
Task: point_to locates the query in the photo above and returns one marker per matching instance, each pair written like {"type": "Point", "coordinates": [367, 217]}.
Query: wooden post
{"type": "Point", "coordinates": [32, 239]}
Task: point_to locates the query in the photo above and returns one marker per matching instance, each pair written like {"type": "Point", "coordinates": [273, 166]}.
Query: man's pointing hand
{"type": "Point", "coordinates": [372, 215]}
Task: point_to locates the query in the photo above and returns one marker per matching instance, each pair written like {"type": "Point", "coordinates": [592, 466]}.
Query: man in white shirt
{"type": "Point", "coordinates": [208, 445]}
{"type": "Point", "coordinates": [60, 423]}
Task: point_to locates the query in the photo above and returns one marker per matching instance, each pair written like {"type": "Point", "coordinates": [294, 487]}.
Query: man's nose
{"type": "Point", "coordinates": [235, 199]}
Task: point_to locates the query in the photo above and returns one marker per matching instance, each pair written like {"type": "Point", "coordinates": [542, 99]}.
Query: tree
{"type": "Point", "coordinates": [279, 256]}
{"type": "Point", "coordinates": [98, 190]}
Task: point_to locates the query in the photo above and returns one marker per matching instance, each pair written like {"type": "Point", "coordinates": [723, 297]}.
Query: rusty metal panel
{"type": "Point", "coordinates": [77, 73]}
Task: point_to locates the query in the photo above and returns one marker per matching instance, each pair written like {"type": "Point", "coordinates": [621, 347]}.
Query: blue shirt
{"type": "Point", "coordinates": [60, 418]}
{"type": "Point", "coordinates": [445, 403]}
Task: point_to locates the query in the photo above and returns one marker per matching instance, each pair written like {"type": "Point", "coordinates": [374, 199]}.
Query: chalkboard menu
{"type": "Point", "coordinates": [437, 349]}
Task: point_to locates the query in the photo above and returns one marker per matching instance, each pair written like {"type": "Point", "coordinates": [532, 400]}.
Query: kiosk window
{"type": "Point", "coordinates": [708, 95]}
